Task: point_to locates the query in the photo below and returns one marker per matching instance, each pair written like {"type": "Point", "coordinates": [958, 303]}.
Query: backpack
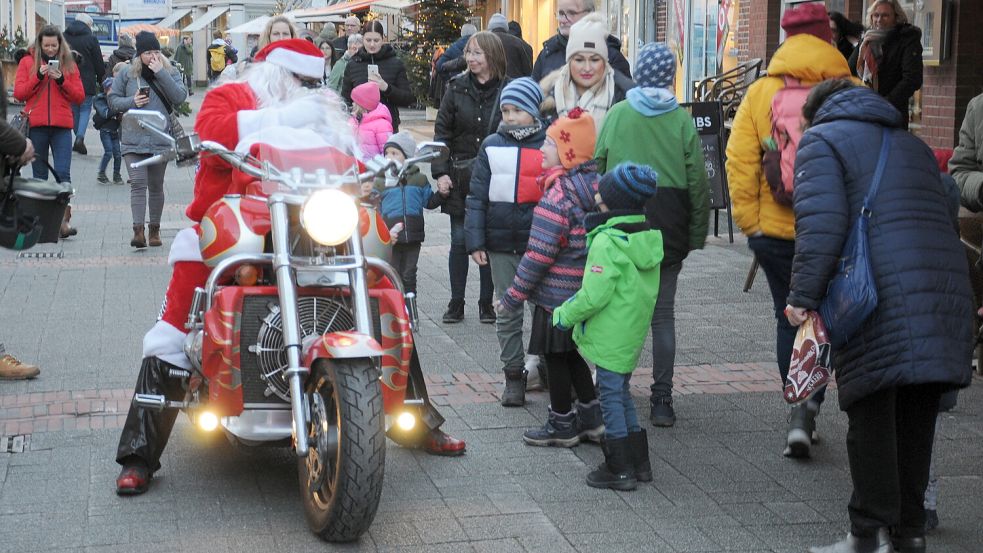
{"type": "Point", "coordinates": [778, 161]}
{"type": "Point", "coordinates": [217, 60]}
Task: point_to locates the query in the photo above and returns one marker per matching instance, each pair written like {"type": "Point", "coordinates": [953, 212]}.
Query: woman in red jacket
{"type": "Point", "coordinates": [48, 82]}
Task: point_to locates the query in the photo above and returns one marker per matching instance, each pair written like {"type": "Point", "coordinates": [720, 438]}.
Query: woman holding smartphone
{"type": "Point", "coordinates": [48, 82]}
{"type": "Point", "coordinates": [376, 61]}
{"type": "Point", "coordinates": [153, 83]}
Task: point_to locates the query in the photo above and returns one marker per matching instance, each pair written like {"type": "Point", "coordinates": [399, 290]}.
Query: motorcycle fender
{"type": "Point", "coordinates": [340, 345]}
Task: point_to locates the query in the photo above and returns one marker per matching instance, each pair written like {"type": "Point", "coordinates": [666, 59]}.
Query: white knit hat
{"type": "Point", "coordinates": [590, 34]}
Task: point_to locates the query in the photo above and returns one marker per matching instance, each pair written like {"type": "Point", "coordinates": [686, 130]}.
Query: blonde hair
{"type": "Point", "coordinates": [899, 13]}
{"type": "Point", "coordinates": [65, 59]}
{"type": "Point", "coordinates": [136, 64]}
{"type": "Point", "coordinates": [264, 37]}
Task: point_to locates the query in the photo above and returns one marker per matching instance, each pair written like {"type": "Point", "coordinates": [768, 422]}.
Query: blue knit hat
{"type": "Point", "coordinates": [627, 186]}
{"type": "Point", "coordinates": [655, 66]}
{"type": "Point", "coordinates": [523, 93]}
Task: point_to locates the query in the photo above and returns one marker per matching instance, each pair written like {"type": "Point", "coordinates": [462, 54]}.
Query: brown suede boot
{"type": "Point", "coordinates": [153, 237]}
{"type": "Point", "coordinates": [67, 230]}
{"type": "Point", "coordinates": [139, 240]}
{"type": "Point", "coordinates": [12, 369]}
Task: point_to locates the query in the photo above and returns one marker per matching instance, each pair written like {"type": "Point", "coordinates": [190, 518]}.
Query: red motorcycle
{"type": "Point", "coordinates": [302, 335]}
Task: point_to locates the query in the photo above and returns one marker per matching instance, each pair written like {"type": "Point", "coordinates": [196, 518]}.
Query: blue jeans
{"type": "Point", "coordinates": [59, 140]}
{"type": "Point", "coordinates": [664, 332]}
{"type": "Point", "coordinates": [111, 149]}
{"type": "Point", "coordinates": [457, 266]}
{"type": "Point", "coordinates": [81, 114]}
{"type": "Point", "coordinates": [617, 407]}
{"type": "Point", "coordinates": [775, 258]}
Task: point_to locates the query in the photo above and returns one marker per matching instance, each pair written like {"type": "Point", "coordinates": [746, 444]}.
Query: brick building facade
{"type": "Point", "coordinates": [948, 86]}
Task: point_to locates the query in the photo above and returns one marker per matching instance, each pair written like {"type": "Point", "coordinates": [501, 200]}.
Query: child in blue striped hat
{"type": "Point", "coordinates": [610, 315]}
{"type": "Point", "coordinates": [503, 193]}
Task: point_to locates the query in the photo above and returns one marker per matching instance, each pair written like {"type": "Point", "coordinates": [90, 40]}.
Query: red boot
{"type": "Point", "coordinates": [440, 443]}
{"type": "Point", "coordinates": [133, 479]}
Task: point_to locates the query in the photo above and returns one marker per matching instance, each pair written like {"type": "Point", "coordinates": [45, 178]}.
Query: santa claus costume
{"type": "Point", "coordinates": [268, 95]}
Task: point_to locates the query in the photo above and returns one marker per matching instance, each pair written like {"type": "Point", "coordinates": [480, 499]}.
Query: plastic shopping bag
{"type": "Point", "coordinates": [809, 370]}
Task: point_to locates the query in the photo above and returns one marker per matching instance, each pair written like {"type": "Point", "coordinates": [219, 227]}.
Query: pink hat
{"type": "Point", "coordinates": [295, 55]}
{"type": "Point", "coordinates": [366, 95]}
{"type": "Point", "coordinates": [811, 19]}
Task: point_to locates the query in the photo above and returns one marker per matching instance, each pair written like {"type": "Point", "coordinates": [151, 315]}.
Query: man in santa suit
{"type": "Point", "coordinates": [272, 93]}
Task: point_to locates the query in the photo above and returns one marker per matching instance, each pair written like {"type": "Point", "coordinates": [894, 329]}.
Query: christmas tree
{"type": "Point", "coordinates": [440, 21]}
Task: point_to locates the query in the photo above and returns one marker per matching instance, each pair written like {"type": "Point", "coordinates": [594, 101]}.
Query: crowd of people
{"type": "Point", "coordinates": [579, 188]}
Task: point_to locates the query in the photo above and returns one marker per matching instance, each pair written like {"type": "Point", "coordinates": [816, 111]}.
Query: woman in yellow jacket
{"type": "Point", "coordinates": [808, 56]}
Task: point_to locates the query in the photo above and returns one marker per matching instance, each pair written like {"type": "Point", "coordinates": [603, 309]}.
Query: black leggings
{"type": "Point", "coordinates": [565, 370]}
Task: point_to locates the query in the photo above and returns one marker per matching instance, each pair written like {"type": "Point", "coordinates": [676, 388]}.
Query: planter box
{"type": "Point", "coordinates": [9, 73]}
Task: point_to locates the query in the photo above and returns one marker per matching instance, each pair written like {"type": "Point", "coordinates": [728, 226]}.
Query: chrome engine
{"type": "Point", "coordinates": [317, 314]}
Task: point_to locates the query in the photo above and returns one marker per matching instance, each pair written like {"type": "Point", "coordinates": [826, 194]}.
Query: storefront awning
{"type": "Point", "coordinates": [203, 21]}
{"type": "Point", "coordinates": [176, 15]}
{"type": "Point", "coordinates": [383, 7]}
{"type": "Point", "coordinates": [253, 27]}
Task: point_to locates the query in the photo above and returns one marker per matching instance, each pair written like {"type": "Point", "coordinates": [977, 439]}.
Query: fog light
{"type": "Point", "coordinates": [207, 421]}
{"type": "Point", "coordinates": [406, 421]}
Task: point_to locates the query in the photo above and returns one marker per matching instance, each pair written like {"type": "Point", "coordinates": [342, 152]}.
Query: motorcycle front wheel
{"type": "Point", "coordinates": [341, 478]}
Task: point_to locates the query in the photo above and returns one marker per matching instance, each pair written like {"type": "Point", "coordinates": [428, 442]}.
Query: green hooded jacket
{"type": "Point", "coordinates": [611, 313]}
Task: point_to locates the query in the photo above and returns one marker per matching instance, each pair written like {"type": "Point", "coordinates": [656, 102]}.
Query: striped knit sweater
{"type": "Point", "coordinates": [552, 268]}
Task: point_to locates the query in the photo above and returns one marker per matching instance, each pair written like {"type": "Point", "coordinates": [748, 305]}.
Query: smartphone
{"type": "Point", "coordinates": [373, 70]}
{"type": "Point", "coordinates": [145, 90]}
{"type": "Point", "coordinates": [53, 63]}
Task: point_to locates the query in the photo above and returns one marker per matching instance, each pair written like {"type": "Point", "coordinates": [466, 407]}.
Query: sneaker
{"type": "Point", "coordinates": [853, 544]}
{"type": "Point", "coordinates": [534, 378]}
{"type": "Point", "coordinates": [102, 178]}
{"type": "Point", "coordinates": [515, 388]}
{"type": "Point", "coordinates": [486, 313]}
{"type": "Point", "coordinates": [455, 311]}
{"type": "Point", "coordinates": [801, 430]}
{"type": "Point", "coordinates": [662, 413]}
{"type": "Point", "coordinates": [559, 431]}
{"type": "Point", "coordinates": [117, 179]}
{"type": "Point", "coordinates": [11, 368]}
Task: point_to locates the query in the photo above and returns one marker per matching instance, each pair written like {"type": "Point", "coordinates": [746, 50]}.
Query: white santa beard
{"type": "Point", "coordinates": [271, 83]}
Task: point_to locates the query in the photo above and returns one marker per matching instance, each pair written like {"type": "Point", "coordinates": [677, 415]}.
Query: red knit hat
{"type": "Point", "coordinates": [575, 137]}
{"type": "Point", "coordinates": [295, 55]}
{"type": "Point", "coordinates": [811, 19]}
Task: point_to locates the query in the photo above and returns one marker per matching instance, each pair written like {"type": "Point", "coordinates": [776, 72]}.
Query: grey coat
{"type": "Point", "coordinates": [966, 164]}
{"type": "Point", "coordinates": [125, 88]}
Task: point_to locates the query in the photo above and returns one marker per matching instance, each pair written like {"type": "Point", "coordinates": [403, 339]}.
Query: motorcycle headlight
{"type": "Point", "coordinates": [329, 216]}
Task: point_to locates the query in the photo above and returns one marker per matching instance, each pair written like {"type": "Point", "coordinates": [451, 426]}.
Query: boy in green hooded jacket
{"type": "Point", "coordinates": [611, 313]}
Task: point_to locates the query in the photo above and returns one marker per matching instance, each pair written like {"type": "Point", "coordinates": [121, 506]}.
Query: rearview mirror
{"type": "Point", "coordinates": [433, 151]}
{"type": "Point", "coordinates": [136, 120]}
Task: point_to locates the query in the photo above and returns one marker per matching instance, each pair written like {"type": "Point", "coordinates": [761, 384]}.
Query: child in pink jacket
{"type": "Point", "coordinates": [370, 119]}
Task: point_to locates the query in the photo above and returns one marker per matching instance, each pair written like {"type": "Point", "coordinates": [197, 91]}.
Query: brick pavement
{"type": "Point", "coordinates": [721, 483]}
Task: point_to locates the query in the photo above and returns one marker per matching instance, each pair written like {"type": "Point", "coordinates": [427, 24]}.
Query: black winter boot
{"type": "Point", "coordinates": [559, 431]}
{"type": "Point", "coordinates": [616, 472]}
{"type": "Point", "coordinates": [515, 387]}
{"type": "Point", "coordinates": [638, 444]}
{"type": "Point", "coordinates": [455, 311]}
{"type": "Point", "coordinates": [801, 430]}
{"type": "Point", "coordinates": [486, 313]}
{"type": "Point", "coordinates": [661, 412]}
{"type": "Point", "coordinates": [590, 423]}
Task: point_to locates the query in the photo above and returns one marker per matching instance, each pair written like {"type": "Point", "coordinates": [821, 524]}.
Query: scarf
{"type": "Point", "coordinates": [549, 176]}
{"type": "Point", "coordinates": [596, 101]}
{"type": "Point", "coordinates": [522, 132]}
{"type": "Point", "coordinates": [871, 52]}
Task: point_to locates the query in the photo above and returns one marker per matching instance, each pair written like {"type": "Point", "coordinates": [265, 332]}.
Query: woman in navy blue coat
{"type": "Point", "coordinates": [918, 342]}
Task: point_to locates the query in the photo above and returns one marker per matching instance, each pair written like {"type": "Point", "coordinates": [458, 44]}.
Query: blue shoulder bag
{"type": "Point", "coordinates": [852, 293]}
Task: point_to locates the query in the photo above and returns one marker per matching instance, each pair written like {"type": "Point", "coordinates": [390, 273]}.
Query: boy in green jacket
{"type": "Point", "coordinates": [611, 312]}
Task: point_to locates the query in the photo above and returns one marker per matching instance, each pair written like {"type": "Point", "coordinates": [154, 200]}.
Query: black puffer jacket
{"type": "Point", "coordinates": [554, 56]}
{"type": "Point", "coordinates": [122, 54]}
{"type": "Point", "coordinates": [468, 113]}
{"type": "Point", "coordinates": [91, 69]}
{"type": "Point", "coordinates": [391, 69]}
{"type": "Point", "coordinates": [900, 70]}
{"type": "Point", "coordinates": [920, 332]}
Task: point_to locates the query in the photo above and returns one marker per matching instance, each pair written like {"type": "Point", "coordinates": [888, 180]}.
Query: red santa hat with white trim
{"type": "Point", "coordinates": [296, 55]}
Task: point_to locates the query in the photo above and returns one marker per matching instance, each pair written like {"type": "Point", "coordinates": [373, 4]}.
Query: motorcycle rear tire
{"type": "Point", "coordinates": [344, 506]}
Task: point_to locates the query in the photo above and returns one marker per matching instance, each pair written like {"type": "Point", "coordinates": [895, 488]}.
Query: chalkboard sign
{"type": "Point", "coordinates": [708, 118]}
